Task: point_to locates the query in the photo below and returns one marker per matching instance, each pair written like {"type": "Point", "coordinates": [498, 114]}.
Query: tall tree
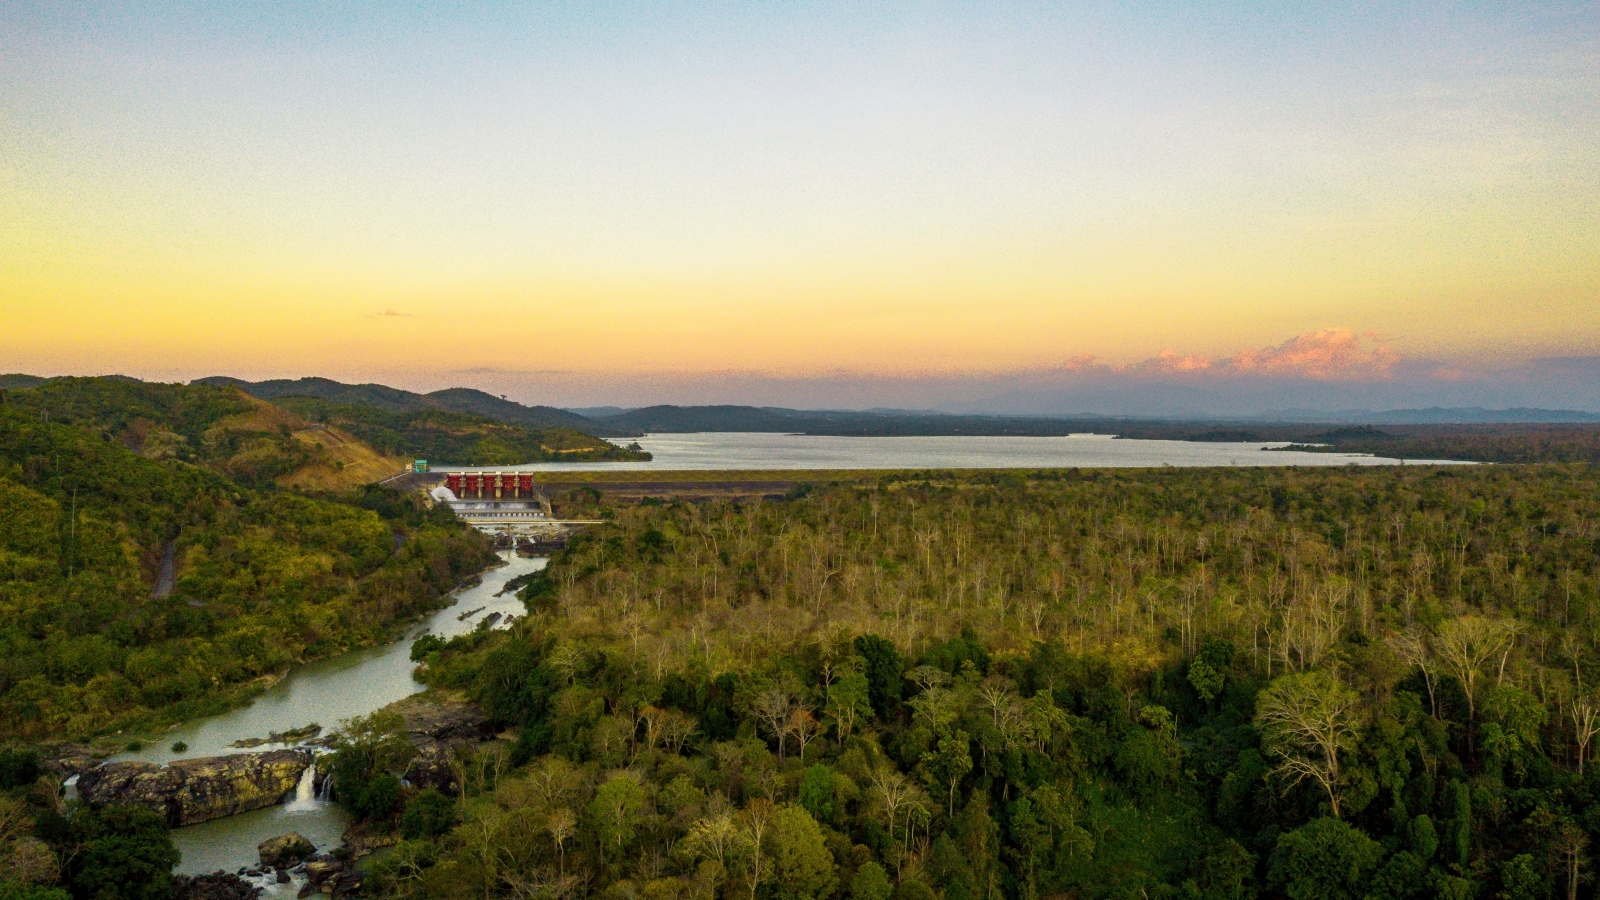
{"type": "Point", "coordinates": [1307, 720]}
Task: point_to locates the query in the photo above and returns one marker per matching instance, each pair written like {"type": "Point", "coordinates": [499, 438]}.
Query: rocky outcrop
{"type": "Point", "coordinates": [285, 850]}
{"type": "Point", "coordinates": [292, 736]}
{"type": "Point", "coordinates": [329, 876]}
{"type": "Point", "coordinates": [438, 725]}
{"type": "Point", "coordinates": [220, 886]}
{"type": "Point", "coordinates": [195, 790]}
{"type": "Point", "coordinates": [66, 760]}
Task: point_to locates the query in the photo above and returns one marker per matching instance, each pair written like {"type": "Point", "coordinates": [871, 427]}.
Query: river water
{"type": "Point", "coordinates": [325, 692]}
{"type": "Point", "coordinates": [761, 450]}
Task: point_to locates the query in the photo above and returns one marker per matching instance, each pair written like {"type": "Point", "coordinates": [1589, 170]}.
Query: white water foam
{"type": "Point", "coordinates": [305, 792]}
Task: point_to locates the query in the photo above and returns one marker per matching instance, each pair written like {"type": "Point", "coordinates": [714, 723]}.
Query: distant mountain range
{"type": "Point", "coordinates": [463, 400]}
{"type": "Point", "coordinates": [883, 422]}
{"type": "Point", "coordinates": [1435, 415]}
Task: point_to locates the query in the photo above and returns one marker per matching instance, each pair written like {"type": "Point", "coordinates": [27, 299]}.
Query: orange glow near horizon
{"type": "Point", "coordinates": [960, 192]}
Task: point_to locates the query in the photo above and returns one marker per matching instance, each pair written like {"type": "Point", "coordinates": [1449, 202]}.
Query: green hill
{"type": "Point", "coordinates": [444, 436]}
{"type": "Point", "coordinates": [378, 396]}
{"type": "Point", "coordinates": [216, 426]}
{"type": "Point", "coordinates": [259, 581]}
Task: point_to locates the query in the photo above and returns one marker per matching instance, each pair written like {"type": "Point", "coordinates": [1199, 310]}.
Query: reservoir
{"type": "Point", "coordinates": [762, 450]}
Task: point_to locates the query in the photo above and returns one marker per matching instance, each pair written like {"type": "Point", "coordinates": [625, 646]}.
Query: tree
{"type": "Point", "coordinates": [1584, 709]}
{"type": "Point", "coordinates": [123, 853]}
{"type": "Point", "coordinates": [1514, 719]}
{"type": "Point", "coordinates": [871, 882]}
{"type": "Point", "coordinates": [773, 708]}
{"type": "Point", "coordinates": [717, 837]}
{"type": "Point", "coordinates": [1306, 721]}
{"type": "Point", "coordinates": [848, 701]}
{"type": "Point", "coordinates": [1324, 860]}
{"type": "Point", "coordinates": [805, 729]}
{"type": "Point", "coordinates": [755, 824]}
{"type": "Point", "coordinates": [948, 764]}
{"type": "Point", "coordinates": [560, 824]}
{"type": "Point", "coordinates": [816, 792]}
{"type": "Point", "coordinates": [429, 814]}
{"type": "Point", "coordinates": [884, 670]}
{"type": "Point", "coordinates": [1149, 757]}
{"type": "Point", "coordinates": [802, 866]}
{"type": "Point", "coordinates": [1208, 673]}
{"type": "Point", "coordinates": [615, 811]}
{"type": "Point", "coordinates": [1466, 643]}
{"type": "Point", "coordinates": [369, 755]}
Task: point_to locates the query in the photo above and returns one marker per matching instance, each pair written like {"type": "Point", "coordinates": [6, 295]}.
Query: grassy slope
{"type": "Point", "coordinates": [340, 461]}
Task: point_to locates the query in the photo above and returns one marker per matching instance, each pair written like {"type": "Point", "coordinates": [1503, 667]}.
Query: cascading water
{"type": "Point", "coordinates": [305, 791]}
{"type": "Point", "coordinates": [326, 793]}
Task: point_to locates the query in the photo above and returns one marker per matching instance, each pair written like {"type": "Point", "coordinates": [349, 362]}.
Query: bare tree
{"type": "Point", "coordinates": [1306, 720]}
{"type": "Point", "coordinates": [1585, 712]}
{"type": "Point", "coordinates": [755, 821]}
{"type": "Point", "coordinates": [1570, 842]}
{"type": "Point", "coordinates": [772, 708]}
{"type": "Point", "coordinates": [560, 824]}
{"type": "Point", "coordinates": [1466, 643]}
{"type": "Point", "coordinates": [1411, 645]}
{"type": "Point", "coordinates": [804, 727]}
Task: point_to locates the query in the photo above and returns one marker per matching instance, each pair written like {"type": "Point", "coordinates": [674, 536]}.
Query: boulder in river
{"type": "Point", "coordinates": [293, 735]}
{"type": "Point", "coordinates": [284, 850]}
{"type": "Point", "coordinates": [195, 790]}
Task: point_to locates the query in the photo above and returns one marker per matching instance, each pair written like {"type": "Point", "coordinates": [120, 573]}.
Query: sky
{"type": "Point", "coordinates": [1001, 206]}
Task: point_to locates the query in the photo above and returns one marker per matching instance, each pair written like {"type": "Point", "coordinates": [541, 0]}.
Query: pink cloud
{"type": "Point", "coordinates": [1332, 354]}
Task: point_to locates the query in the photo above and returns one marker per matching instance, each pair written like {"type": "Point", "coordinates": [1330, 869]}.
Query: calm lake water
{"type": "Point", "coordinates": [753, 450]}
{"type": "Point", "coordinates": [325, 692]}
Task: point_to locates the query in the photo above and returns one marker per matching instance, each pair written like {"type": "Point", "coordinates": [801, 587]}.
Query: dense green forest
{"type": "Point", "coordinates": [1362, 683]}
{"type": "Point", "coordinates": [93, 636]}
{"type": "Point", "coordinates": [215, 427]}
{"type": "Point", "coordinates": [458, 438]}
{"type": "Point", "coordinates": [463, 400]}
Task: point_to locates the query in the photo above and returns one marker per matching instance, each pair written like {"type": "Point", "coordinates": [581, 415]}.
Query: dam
{"type": "Point", "coordinates": [494, 501]}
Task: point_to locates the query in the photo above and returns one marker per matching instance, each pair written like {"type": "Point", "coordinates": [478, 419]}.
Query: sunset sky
{"type": "Point", "coordinates": [872, 204]}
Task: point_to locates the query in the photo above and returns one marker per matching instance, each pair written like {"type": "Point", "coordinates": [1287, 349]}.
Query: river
{"type": "Point", "coordinates": [325, 692]}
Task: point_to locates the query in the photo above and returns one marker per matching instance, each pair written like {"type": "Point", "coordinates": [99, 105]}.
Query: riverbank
{"type": "Point", "coordinates": [324, 692]}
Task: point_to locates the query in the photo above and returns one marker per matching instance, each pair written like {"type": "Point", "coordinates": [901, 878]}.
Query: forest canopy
{"type": "Point", "coordinates": [1361, 683]}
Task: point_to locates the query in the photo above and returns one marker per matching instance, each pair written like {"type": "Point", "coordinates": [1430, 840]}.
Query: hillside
{"type": "Point", "coordinates": [258, 581]}
{"type": "Point", "coordinates": [219, 427]}
{"type": "Point", "coordinates": [445, 437]}
{"type": "Point", "coordinates": [377, 396]}
{"type": "Point", "coordinates": [334, 459]}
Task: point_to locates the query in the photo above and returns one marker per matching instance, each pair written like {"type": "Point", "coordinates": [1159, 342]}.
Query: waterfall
{"type": "Point", "coordinates": [326, 794]}
{"type": "Point", "coordinates": [305, 790]}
